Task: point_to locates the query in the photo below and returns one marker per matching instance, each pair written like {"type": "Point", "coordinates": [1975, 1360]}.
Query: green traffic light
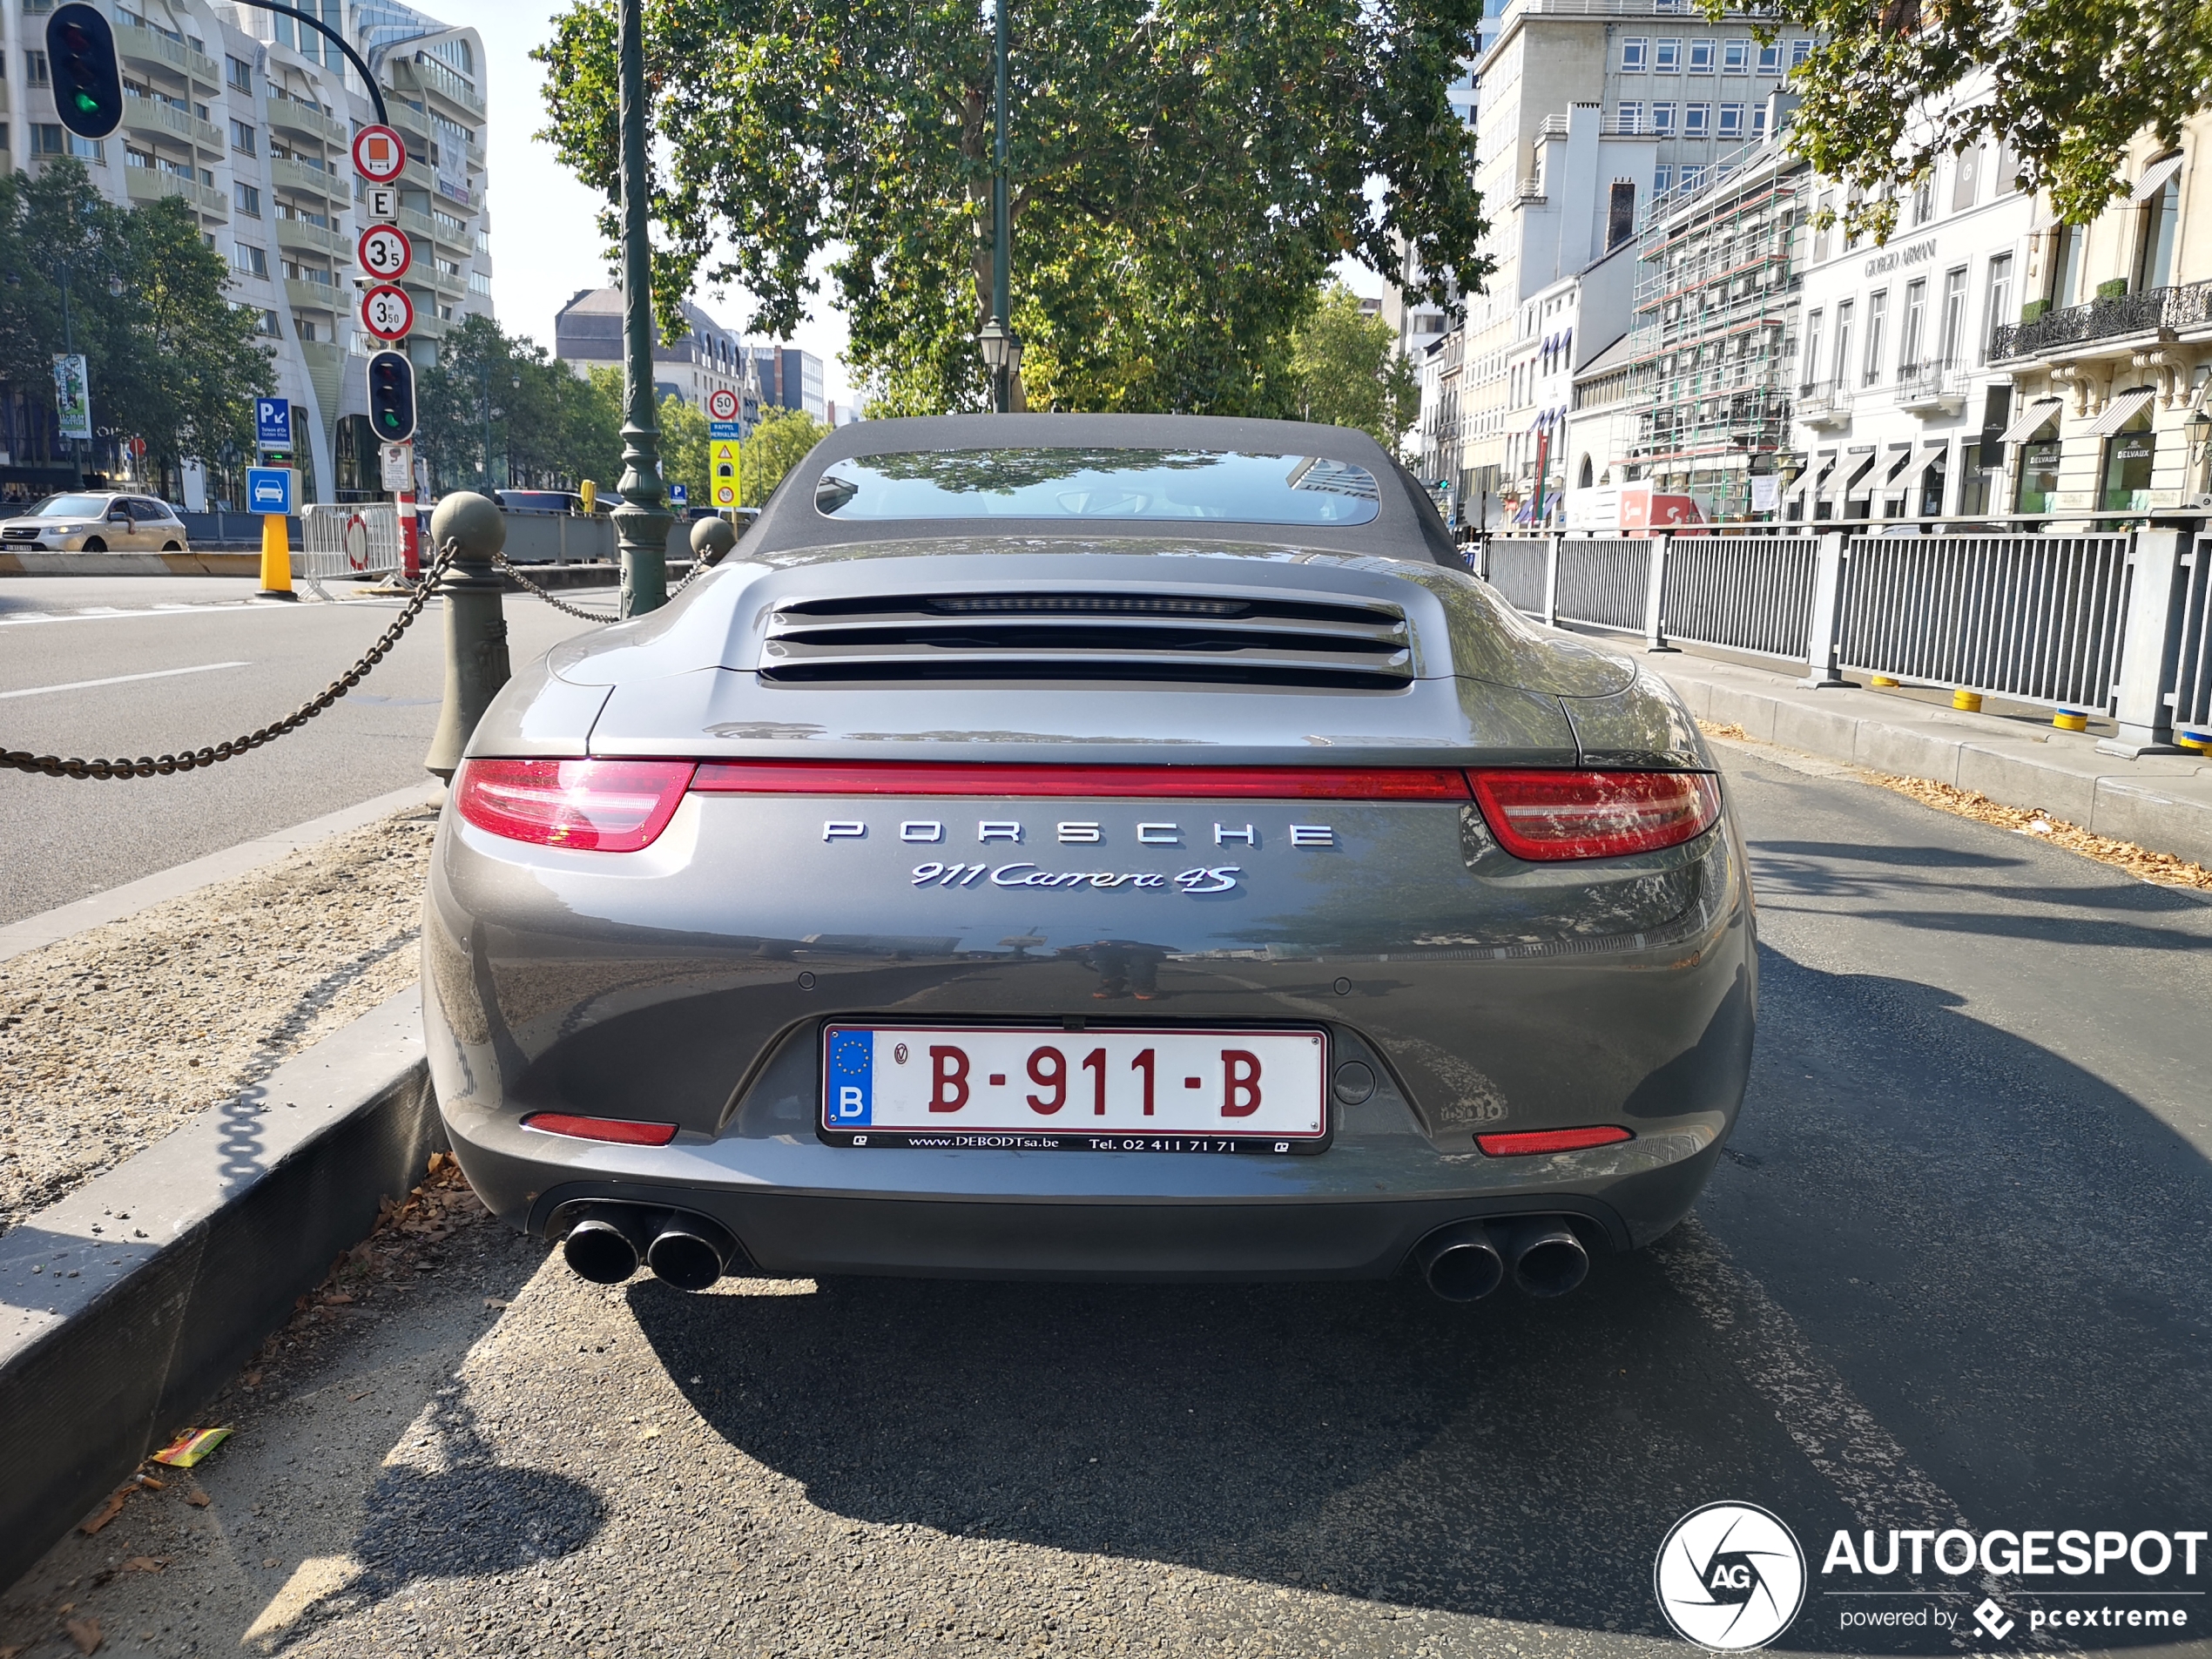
{"type": "Point", "coordinates": [87, 103]}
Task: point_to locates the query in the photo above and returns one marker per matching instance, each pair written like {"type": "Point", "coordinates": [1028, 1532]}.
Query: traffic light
{"type": "Point", "coordinates": [80, 55]}
{"type": "Point", "coordinates": [391, 396]}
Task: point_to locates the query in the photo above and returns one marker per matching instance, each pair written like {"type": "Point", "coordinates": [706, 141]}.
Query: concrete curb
{"type": "Point", "coordinates": [126, 900]}
{"type": "Point", "coordinates": [185, 1258]}
{"type": "Point", "coordinates": [2163, 802]}
{"type": "Point", "coordinates": [203, 563]}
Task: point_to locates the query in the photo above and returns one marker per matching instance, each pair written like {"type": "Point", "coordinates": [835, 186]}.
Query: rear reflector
{"type": "Point", "coordinates": [590, 805]}
{"type": "Point", "coordinates": [1521, 1142]}
{"type": "Point", "coordinates": [601, 1128]}
{"type": "Point", "coordinates": [1203, 783]}
{"type": "Point", "coordinates": [1553, 815]}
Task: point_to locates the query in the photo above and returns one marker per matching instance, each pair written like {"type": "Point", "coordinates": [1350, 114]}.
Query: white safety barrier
{"type": "Point", "coordinates": [341, 539]}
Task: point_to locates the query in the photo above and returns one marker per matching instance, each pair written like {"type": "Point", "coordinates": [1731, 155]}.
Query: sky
{"type": "Point", "coordinates": [544, 237]}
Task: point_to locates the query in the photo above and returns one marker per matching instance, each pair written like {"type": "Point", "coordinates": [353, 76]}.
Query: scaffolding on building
{"type": "Point", "coordinates": [1713, 335]}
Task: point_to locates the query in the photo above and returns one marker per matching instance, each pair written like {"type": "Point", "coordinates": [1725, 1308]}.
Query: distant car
{"type": "Point", "coordinates": [540, 501]}
{"type": "Point", "coordinates": [95, 522]}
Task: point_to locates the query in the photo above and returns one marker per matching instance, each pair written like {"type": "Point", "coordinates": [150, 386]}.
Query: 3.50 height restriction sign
{"type": "Point", "coordinates": [385, 252]}
{"type": "Point", "coordinates": [386, 312]}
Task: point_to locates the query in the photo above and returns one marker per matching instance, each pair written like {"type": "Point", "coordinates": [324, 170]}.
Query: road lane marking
{"type": "Point", "coordinates": [120, 679]}
{"type": "Point", "coordinates": [1873, 1475]}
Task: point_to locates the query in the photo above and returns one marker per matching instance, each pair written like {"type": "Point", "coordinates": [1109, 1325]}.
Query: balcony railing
{"type": "Point", "coordinates": [295, 115]}
{"type": "Point", "coordinates": [1828, 400]}
{"type": "Point", "coordinates": [152, 184]}
{"type": "Point", "coordinates": [318, 181]}
{"type": "Point", "coordinates": [1927, 385]}
{"type": "Point", "coordinates": [2186, 306]}
{"type": "Point", "coordinates": [298, 233]}
{"type": "Point", "coordinates": [152, 115]}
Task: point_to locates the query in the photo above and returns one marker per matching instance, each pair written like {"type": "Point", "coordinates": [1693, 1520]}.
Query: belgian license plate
{"type": "Point", "coordinates": [1119, 1090]}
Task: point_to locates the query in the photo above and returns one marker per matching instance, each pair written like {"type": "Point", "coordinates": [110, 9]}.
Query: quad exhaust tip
{"type": "Point", "coordinates": [1467, 1260]}
{"type": "Point", "coordinates": [611, 1241]}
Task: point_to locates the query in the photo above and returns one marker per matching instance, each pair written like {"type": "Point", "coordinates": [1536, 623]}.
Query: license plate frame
{"type": "Point", "coordinates": [893, 1117]}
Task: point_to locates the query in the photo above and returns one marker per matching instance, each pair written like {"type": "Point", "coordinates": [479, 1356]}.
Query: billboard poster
{"type": "Point", "coordinates": [73, 395]}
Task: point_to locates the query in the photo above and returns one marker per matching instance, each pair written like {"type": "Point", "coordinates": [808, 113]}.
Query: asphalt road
{"type": "Point", "coordinates": [1954, 1272]}
{"type": "Point", "coordinates": [246, 663]}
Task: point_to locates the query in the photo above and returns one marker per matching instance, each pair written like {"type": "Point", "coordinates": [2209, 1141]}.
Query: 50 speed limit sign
{"type": "Point", "coordinates": [386, 312]}
{"type": "Point", "coordinates": [721, 404]}
{"type": "Point", "coordinates": [385, 252]}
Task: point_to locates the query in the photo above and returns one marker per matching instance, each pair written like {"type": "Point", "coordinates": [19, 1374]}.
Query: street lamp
{"type": "Point", "coordinates": [1001, 348]}
{"type": "Point", "coordinates": [642, 518]}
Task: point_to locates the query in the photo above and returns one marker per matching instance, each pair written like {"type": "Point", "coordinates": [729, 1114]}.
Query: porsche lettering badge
{"type": "Point", "coordinates": [1214, 879]}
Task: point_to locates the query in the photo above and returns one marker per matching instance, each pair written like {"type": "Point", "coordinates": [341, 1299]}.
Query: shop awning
{"type": "Point", "coordinates": [2121, 409]}
{"type": "Point", "coordinates": [2032, 420]}
{"type": "Point", "coordinates": [1850, 472]}
{"type": "Point", "coordinates": [1804, 486]}
{"type": "Point", "coordinates": [2154, 177]}
{"type": "Point", "coordinates": [1917, 467]}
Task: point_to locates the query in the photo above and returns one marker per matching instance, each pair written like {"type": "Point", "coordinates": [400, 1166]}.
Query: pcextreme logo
{"type": "Point", "coordinates": [1729, 1576]}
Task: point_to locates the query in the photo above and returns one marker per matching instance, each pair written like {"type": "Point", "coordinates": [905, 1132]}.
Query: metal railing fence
{"type": "Point", "coordinates": [2119, 622]}
{"type": "Point", "coordinates": [1747, 593]}
{"type": "Point", "coordinates": [1603, 581]}
{"type": "Point", "coordinates": [2036, 619]}
{"type": "Point", "coordinates": [342, 539]}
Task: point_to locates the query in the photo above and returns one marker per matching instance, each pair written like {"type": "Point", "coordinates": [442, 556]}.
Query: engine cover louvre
{"type": "Point", "coordinates": [1060, 637]}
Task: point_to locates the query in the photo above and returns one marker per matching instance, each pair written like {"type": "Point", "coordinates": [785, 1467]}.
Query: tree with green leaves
{"type": "Point", "coordinates": [496, 410]}
{"type": "Point", "coordinates": [1184, 172]}
{"type": "Point", "coordinates": [1892, 85]}
{"type": "Point", "coordinates": [172, 359]}
{"type": "Point", "coordinates": [1348, 371]}
{"type": "Point", "coordinates": [778, 443]}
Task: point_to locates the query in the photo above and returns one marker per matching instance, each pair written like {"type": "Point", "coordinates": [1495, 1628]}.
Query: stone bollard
{"type": "Point", "coordinates": [476, 629]}
{"type": "Point", "coordinates": [711, 539]}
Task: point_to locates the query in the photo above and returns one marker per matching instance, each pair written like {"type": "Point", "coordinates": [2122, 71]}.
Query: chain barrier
{"type": "Point", "coordinates": [150, 765]}
{"type": "Point", "coordinates": [700, 566]}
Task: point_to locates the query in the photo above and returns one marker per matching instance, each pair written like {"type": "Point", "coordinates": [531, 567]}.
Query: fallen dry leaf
{"type": "Point", "coordinates": [271, 1560]}
{"type": "Point", "coordinates": [145, 1564]}
{"type": "Point", "coordinates": [197, 1500]}
{"type": "Point", "coordinates": [1723, 729]}
{"type": "Point", "coordinates": [2139, 862]}
{"type": "Point", "coordinates": [85, 1632]}
{"type": "Point", "coordinates": [337, 1298]}
{"type": "Point", "coordinates": [354, 1400]}
{"type": "Point", "coordinates": [114, 1508]}
{"type": "Point", "coordinates": [252, 1379]}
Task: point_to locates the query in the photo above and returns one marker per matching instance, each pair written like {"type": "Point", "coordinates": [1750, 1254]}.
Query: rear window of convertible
{"type": "Point", "coordinates": [1128, 484]}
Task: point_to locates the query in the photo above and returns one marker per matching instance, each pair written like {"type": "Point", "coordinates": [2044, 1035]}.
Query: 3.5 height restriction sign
{"type": "Point", "coordinates": [386, 312]}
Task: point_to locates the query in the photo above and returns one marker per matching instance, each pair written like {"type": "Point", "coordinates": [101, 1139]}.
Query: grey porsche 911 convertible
{"type": "Point", "coordinates": [1089, 847]}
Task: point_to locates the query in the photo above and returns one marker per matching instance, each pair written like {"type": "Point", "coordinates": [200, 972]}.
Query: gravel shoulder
{"type": "Point", "coordinates": [113, 1038]}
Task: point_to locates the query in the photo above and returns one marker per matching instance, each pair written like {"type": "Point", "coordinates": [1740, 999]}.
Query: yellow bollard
{"type": "Point", "coordinates": [276, 558]}
{"type": "Point", "coordinates": [2196, 737]}
{"type": "Point", "coordinates": [2071, 719]}
{"type": "Point", "coordinates": [1967, 702]}
{"type": "Point", "coordinates": [1879, 679]}
{"type": "Point", "coordinates": [590, 492]}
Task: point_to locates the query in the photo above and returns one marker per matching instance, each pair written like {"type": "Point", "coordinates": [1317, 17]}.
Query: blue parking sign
{"type": "Point", "coordinates": [679, 494]}
{"type": "Point", "coordinates": [273, 423]}
{"type": "Point", "coordinates": [268, 490]}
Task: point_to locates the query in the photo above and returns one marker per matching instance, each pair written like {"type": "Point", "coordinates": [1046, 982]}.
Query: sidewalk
{"type": "Point", "coordinates": [2163, 802]}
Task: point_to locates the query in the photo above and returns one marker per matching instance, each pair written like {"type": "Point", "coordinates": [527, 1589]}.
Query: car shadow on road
{"type": "Point", "coordinates": [1512, 1459]}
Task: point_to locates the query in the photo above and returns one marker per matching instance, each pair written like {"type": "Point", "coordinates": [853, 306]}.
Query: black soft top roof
{"type": "Point", "coordinates": [1408, 526]}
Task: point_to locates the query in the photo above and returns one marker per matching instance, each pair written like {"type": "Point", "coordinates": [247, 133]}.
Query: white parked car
{"type": "Point", "coordinates": [95, 522]}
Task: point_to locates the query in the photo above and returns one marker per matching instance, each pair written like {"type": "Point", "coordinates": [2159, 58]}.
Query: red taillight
{"type": "Point", "coordinates": [601, 1128]}
{"type": "Point", "coordinates": [1551, 815]}
{"type": "Point", "coordinates": [1521, 1142]}
{"type": "Point", "coordinates": [1203, 783]}
{"type": "Point", "coordinates": [592, 806]}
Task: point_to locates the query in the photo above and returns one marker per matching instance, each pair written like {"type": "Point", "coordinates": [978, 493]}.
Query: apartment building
{"type": "Point", "coordinates": [249, 118]}
{"type": "Point", "coordinates": [709, 357]}
{"type": "Point", "coordinates": [1586, 111]}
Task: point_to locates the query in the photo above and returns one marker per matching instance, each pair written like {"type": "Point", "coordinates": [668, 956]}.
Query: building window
{"type": "Point", "coordinates": [1700, 56]}
{"type": "Point", "coordinates": [2128, 464]}
{"type": "Point", "coordinates": [1758, 120]}
{"type": "Point", "coordinates": [242, 138]}
{"type": "Point", "coordinates": [1629, 117]}
{"type": "Point", "coordinates": [251, 259]}
{"type": "Point", "coordinates": [1662, 118]}
{"type": "Point", "coordinates": [1966, 178]}
{"type": "Point", "coordinates": [1696, 120]}
{"type": "Point", "coordinates": [1770, 58]}
{"type": "Point", "coordinates": [1845, 311]}
{"type": "Point", "coordinates": [35, 72]}
{"type": "Point", "coordinates": [1634, 50]}
{"type": "Point", "coordinates": [1954, 316]}
{"type": "Point", "coordinates": [1924, 198]}
{"type": "Point", "coordinates": [1910, 325]}
{"type": "Point", "coordinates": [1731, 120]}
{"type": "Point", "coordinates": [131, 158]}
{"type": "Point", "coordinates": [479, 283]}
{"type": "Point", "coordinates": [1620, 215]}
{"type": "Point", "coordinates": [1996, 311]}
{"type": "Point", "coordinates": [1811, 358]}
{"type": "Point", "coordinates": [1878, 316]}
{"type": "Point", "coordinates": [2065, 266]}
{"type": "Point", "coordinates": [240, 73]}
{"type": "Point", "coordinates": [246, 198]}
{"type": "Point", "coordinates": [307, 329]}
{"type": "Point", "coordinates": [2155, 237]}
{"type": "Point", "coordinates": [1692, 178]}
{"type": "Point", "coordinates": [1663, 179]}
{"type": "Point", "coordinates": [268, 324]}
{"type": "Point", "coordinates": [91, 150]}
{"type": "Point", "coordinates": [2008, 172]}
{"type": "Point", "coordinates": [1800, 52]}
{"type": "Point", "coordinates": [1668, 58]}
{"type": "Point", "coordinates": [1736, 57]}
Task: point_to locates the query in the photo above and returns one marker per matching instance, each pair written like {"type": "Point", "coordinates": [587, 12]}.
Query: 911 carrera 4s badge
{"type": "Point", "coordinates": [1221, 877]}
